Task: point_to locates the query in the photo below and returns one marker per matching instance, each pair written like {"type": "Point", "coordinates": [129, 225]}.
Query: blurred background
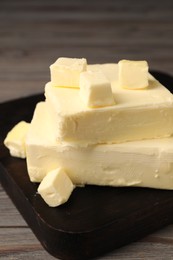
{"type": "Point", "coordinates": [33, 34]}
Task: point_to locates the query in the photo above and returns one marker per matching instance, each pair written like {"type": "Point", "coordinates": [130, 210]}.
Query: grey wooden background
{"type": "Point", "coordinates": [33, 34]}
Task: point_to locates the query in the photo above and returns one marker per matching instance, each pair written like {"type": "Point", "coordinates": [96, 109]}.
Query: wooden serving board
{"type": "Point", "coordinates": [95, 220]}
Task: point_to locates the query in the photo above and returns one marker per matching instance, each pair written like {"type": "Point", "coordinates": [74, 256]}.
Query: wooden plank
{"type": "Point", "coordinates": [9, 216]}
{"type": "Point", "coordinates": [21, 243]}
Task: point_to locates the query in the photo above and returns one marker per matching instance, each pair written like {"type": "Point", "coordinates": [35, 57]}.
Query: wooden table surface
{"type": "Point", "coordinates": [33, 34]}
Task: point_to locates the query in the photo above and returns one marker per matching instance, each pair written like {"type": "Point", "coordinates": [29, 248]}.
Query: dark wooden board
{"type": "Point", "coordinates": [95, 220]}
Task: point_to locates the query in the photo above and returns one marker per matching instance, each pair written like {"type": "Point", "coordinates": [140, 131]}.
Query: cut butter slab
{"type": "Point", "coordinates": [137, 114]}
{"type": "Point", "coordinates": [15, 139]}
{"type": "Point", "coordinates": [146, 163]}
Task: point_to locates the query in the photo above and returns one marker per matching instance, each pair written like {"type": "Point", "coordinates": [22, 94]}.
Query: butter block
{"type": "Point", "coordinates": [95, 89]}
{"type": "Point", "coordinates": [56, 187]}
{"type": "Point", "coordinates": [133, 74]}
{"type": "Point", "coordinates": [146, 163]}
{"type": "Point", "coordinates": [137, 115]}
{"type": "Point", "coordinates": [65, 72]}
{"type": "Point", "coordinates": [15, 139]}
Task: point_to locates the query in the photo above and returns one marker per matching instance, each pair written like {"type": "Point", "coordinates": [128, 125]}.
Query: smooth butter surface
{"type": "Point", "coordinates": [146, 163]}
{"type": "Point", "coordinates": [137, 114]}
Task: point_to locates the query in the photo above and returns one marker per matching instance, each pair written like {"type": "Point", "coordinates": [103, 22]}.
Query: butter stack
{"type": "Point", "coordinates": [101, 124]}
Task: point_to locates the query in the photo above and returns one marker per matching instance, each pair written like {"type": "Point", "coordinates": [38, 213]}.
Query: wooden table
{"type": "Point", "coordinates": [33, 34]}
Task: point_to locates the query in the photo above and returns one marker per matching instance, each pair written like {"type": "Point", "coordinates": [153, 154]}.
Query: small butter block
{"type": "Point", "coordinates": [15, 140]}
{"type": "Point", "coordinates": [133, 74]}
{"type": "Point", "coordinates": [65, 72]}
{"type": "Point", "coordinates": [95, 90]}
{"type": "Point", "coordinates": [56, 187]}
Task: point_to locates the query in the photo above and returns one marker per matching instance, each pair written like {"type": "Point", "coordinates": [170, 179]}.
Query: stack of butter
{"type": "Point", "coordinates": [101, 124]}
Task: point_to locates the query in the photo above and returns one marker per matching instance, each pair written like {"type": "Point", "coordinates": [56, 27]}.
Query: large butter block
{"type": "Point", "coordinates": [146, 163]}
{"type": "Point", "coordinates": [137, 114]}
{"type": "Point", "coordinates": [65, 72]}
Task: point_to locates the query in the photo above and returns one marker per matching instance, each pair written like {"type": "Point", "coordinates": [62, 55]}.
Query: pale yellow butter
{"type": "Point", "coordinates": [133, 74]}
{"type": "Point", "coordinates": [65, 72]}
{"type": "Point", "coordinates": [146, 163]}
{"type": "Point", "coordinates": [56, 187]}
{"type": "Point", "coordinates": [137, 115]}
{"type": "Point", "coordinates": [15, 139]}
{"type": "Point", "coordinates": [95, 89]}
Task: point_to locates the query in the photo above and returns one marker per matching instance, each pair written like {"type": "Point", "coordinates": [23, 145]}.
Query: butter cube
{"type": "Point", "coordinates": [65, 72]}
{"type": "Point", "coordinates": [15, 139]}
{"type": "Point", "coordinates": [95, 89]}
{"type": "Point", "coordinates": [56, 187]}
{"type": "Point", "coordinates": [133, 74]}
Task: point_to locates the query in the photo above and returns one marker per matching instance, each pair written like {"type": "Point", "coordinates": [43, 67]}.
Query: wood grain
{"type": "Point", "coordinates": [33, 34]}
